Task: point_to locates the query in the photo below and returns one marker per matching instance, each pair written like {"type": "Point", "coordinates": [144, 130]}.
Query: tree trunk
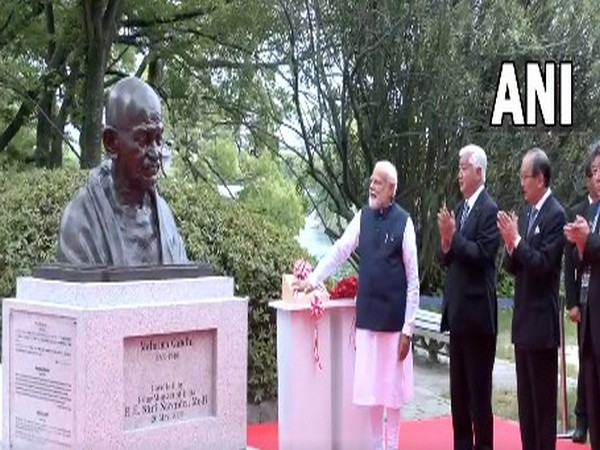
{"type": "Point", "coordinates": [91, 131]}
{"type": "Point", "coordinates": [48, 81]}
{"type": "Point", "coordinates": [56, 153]}
{"type": "Point", "coordinates": [100, 27]}
{"type": "Point", "coordinates": [46, 106]}
{"type": "Point", "coordinates": [156, 72]}
{"type": "Point", "coordinates": [44, 128]}
{"type": "Point", "coordinates": [56, 150]}
{"type": "Point", "coordinates": [15, 125]}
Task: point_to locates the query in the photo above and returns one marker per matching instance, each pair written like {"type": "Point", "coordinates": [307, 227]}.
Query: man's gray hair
{"type": "Point", "coordinates": [476, 156]}
{"type": "Point", "coordinates": [390, 172]}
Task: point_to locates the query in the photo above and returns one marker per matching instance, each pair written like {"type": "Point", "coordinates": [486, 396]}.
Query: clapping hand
{"type": "Point", "coordinates": [446, 226]}
{"type": "Point", "coordinates": [508, 225]}
{"type": "Point", "coordinates": [577, 232]}
{"type": "Point", "coordinates": [575, 314]}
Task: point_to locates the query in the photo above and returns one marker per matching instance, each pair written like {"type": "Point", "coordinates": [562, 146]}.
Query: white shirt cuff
{"type": "Point", "coordinates": [311, 280]}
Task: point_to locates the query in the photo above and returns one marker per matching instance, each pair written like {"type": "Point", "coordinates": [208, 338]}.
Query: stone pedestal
{"type": "Point", "coordinates": [154, 364]}
{"type": "Point", "coordinates": [315, 404]}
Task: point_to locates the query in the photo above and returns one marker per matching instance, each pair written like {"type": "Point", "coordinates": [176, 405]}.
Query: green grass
{"type": "Point", "coordinates": [504, 401]}
{"type": "Point", "coordinates": [504, 348]}
{"type": "Point", "coordinates": [504, 404]}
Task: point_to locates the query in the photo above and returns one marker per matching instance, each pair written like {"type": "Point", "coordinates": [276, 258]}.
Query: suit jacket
{"type": "Point", "coordinates": [590, 311]}
{"type": "Point", "coordinates": [536, 264]}
{"type": "Point", "coordinates": [469, 302]}
{"type": "Point", "coordinates": [572, 273]}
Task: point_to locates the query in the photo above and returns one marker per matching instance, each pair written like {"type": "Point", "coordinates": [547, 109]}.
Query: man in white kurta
{"type": "Point", "coordinates": [383, 376]}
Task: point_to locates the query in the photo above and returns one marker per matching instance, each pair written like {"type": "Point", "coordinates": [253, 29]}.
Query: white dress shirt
{"type": "Point", "coordinates": [538, 207]}
{"type": "Point", "coordinates": [473, 198]}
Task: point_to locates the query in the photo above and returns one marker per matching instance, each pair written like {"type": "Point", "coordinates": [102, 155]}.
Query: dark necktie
{"type": "Point", "coordinates": [594, 227]}
{"type": "Point", "coordinates": [532, 215]}
{"type": "Point", "coordinates": [465, 213]}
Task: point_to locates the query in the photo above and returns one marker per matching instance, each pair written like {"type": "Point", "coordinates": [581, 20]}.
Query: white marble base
{"type": "Point", "coordinates": [304, 390]}
{"type": "Point", "coordinates": [315, 406]}
{"type": "Point", "coordinates": [135, 385]}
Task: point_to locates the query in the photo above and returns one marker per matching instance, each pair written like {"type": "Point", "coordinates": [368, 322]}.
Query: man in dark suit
{"type": "Point", "coordinates": [583, 232]}
{"type": "Point", "coordinates": [572, 290]}
{"type": "Point", "coordinates": [468, 251]}
{"type": "Point", "coordinates": [534, 249]}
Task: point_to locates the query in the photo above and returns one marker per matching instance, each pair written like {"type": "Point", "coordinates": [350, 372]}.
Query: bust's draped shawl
{"type": "Point", "coordinates": [90, 234]}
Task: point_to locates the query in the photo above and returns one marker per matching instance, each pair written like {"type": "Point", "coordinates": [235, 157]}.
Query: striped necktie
{"type": "Point", "coordinates": [532, 215]}
{"type": "Point", "coordinates": [465, 213]}
{"type": "Point", "coordinates": [595, 222]}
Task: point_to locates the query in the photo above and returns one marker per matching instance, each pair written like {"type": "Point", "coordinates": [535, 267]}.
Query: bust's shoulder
{"type": "Point", "coordinates": [164, 208]}
{"type": "Point", "coordinates": [74, 214]}
{"type": "Point", "coordinates": [79, 210]}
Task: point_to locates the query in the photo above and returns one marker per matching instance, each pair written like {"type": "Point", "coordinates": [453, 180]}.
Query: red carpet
{"type": "Point", "coordinates": [431, 434]}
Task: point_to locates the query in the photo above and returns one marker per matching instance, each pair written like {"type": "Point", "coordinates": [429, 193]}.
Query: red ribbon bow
{"type": "Point", "coordinates": [316, 307]}
{"type": "Point", "coordinates": [302, 269]}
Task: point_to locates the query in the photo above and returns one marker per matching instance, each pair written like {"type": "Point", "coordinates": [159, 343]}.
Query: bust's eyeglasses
{"type": "Point", "coordinates": [525, 176]}
{"type": "Point", "coordinates": [144, 136]}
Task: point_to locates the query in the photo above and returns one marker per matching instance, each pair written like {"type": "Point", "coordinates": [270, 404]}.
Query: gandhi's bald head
{"type": "Point", "coordinates": [133, 133]}
{"type": "Point", "coordinates": [130, 102]}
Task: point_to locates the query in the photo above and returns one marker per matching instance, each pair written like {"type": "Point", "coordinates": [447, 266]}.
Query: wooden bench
{"type": "Point", "coordinates": [427, 334]}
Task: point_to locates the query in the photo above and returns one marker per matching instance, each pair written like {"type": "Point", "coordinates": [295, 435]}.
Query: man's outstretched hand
{"type": "Point", "coordinates": [302, 285]}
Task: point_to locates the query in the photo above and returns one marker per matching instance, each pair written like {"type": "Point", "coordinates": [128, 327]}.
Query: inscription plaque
{"type": "Point", "coordinates": [42, 380]}
{"type": "Point", "coordinates": [169, 378]}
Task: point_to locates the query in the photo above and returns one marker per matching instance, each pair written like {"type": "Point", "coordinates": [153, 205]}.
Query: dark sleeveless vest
{"type": "Point", "coordinates": [381, 299]}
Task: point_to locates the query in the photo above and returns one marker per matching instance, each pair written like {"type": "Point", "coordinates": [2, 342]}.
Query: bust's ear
{"type": "Point", "coordinates": [109, 138]}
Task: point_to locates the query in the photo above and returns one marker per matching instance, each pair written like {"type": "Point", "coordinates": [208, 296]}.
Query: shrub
{"type": "Point", "coordinates": [233, 240]}
{"type": "Point", "coordinates": [32, 204]}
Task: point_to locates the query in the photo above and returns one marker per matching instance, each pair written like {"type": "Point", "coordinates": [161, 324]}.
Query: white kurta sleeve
{"type": "Point", "coordinates": [338, 253]}
{"type": "Point", "coordinates": [411, 266]}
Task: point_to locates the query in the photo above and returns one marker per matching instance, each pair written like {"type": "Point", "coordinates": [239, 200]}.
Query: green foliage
{"type": "Point", "coordinates": [267, 189]}
{"type": "Point", "coordinates": [32, 204]}
{"type": "Point", "coordinates": [19, 152]}
{"type": "Point", "coordinates": [223, 155]}
{"type": "Point", "coordinates": [268, 193]}
{"type": "Point", "coordinates": [505, 287]}
{"type": "Point", "coordinates": [237, 242]}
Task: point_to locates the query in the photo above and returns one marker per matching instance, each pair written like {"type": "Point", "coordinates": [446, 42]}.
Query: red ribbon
{"type": "Point", "coordinates": [302, 269]}
{"type": "Point", "coordinates": [316, 312]}
{"type": "Point", "coordinates": [352, 335]}
{"type": "Point", "coordinates": [316, 348]}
